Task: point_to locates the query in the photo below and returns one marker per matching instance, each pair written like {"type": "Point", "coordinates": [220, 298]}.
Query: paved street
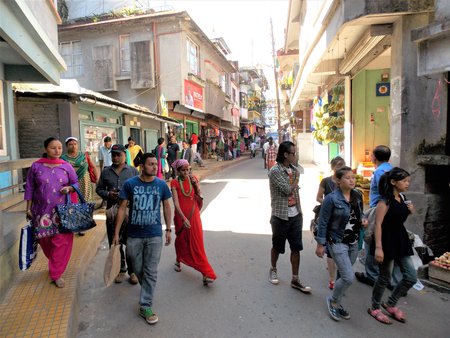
{"type": "Point", "coordinates": [242, 303]}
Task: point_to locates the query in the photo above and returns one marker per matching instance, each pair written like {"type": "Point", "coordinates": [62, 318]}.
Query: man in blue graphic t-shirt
{"type": "Point", "coordinates": [144, 195]}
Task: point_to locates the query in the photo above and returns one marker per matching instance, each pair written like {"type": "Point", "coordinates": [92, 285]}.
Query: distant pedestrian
{"type": "Point", "coordinates": [104, 153]}
{"type": "Point", "coordinates": [135, 152]}
{"type": "Point", "coordinates": [109, 185]}
{"type": "Point", "coordinates": [287, 215]}
{"type": "Point", "coordinates": [144, 195]}
{"type": "Point", "coordinates": [339, 226]}
{"type": "Point", "coordinates": [186, 153]}
{"type": "Point", "coordinates": [49, 180]}
{"type": "Point", "coordinates": [194, 142]}
{"type": "Point", "coordinates": [253, 149]}
{"type": "Point", "coordinates": [160, 153]}
{"type": "Point", "coordinates": [271, 153]}
{"type": "Point", "coordinates": [172, 150]}
{"type": "Point", "coordinates": [390, 244]}
{"type": "Point", "coordinates": [188, 224]}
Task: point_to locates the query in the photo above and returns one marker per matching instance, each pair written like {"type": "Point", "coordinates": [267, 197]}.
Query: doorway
{"type": "Point", "coordinates": [136, 135]}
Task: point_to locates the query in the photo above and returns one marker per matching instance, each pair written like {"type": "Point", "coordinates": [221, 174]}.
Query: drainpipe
{"type": "Point", "coordinates": [156, 58]}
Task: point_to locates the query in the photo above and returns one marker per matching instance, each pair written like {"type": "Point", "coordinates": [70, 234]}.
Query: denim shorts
{"type": "Point", "coordinates": [290, 230]}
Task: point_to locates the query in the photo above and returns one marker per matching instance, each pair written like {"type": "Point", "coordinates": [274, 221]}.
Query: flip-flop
{"type": "Point", "coordinates": [394, 312]}
{"type": "Point", "coordinates": [177, 267]}
{"type": "Point", "coordinates": [379, 315]}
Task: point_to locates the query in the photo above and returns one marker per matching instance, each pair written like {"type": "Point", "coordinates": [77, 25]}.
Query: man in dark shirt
{"type": "Point", "coordinates": [172, 150]}
{"type": "Point", "coordinates": [186, 153]}
{"type": "Point", "coordinates": [108, 187]}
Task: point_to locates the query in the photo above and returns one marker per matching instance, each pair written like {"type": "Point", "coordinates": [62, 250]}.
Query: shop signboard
{"type": "Point", "coordinates": [193, 96]}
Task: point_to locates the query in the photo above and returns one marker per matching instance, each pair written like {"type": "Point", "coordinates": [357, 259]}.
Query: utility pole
{"type": "Point", "coordinates": [276, 82]}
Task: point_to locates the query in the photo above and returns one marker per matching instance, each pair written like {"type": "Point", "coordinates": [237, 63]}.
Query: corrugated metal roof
{"type": "Point", "coordinates": [71, 88]}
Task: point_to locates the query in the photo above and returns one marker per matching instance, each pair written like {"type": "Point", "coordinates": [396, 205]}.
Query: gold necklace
{"type": "Point", "coordinates": [182, 188]}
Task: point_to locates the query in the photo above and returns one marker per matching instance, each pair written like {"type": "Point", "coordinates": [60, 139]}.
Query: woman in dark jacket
{"type": "Point", "coordinates": [340, 220]}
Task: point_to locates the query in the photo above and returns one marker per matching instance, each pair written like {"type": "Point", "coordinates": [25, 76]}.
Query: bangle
{"type": "Point", "coordinates": [168, 230]}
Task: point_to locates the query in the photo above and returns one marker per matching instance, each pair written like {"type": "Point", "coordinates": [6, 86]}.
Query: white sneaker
{"type": "Point", "coordinates": [273, 277]}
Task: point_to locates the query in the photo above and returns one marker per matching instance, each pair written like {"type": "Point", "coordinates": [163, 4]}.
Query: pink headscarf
{"type": "Point", "coordinates": [180, 163]}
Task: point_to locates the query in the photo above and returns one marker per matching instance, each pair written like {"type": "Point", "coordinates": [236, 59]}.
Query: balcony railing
{"type": "Point", "coordinates": [13, 194]}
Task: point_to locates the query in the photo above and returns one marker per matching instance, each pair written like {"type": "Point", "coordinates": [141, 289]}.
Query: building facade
{"type": "Point", "coordinates": [153, 58]}
{"type": "Point", "coordinates": [28, 53]}
{"type": "Point", "coordinates": [362, 78]}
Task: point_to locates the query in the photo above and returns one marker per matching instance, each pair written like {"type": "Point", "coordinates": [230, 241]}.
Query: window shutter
{"type": "Point", "coordinates": [141, 64]}
{"type": "Point", "coordinates": [103, 68]}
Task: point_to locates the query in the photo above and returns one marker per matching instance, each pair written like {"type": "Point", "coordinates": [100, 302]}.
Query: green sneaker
{"type": "Point", "coordinates": [150, 317]}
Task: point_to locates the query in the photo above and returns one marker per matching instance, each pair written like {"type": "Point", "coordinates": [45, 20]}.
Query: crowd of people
{"type": "Point", "coordinates": [343, 228]}
{"type": "Point", "coordinates": [132, 183]}
{"type": "Point", "coordinates": [133, 199]}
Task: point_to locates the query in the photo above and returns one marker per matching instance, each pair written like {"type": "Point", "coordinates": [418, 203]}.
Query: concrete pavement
{"type": "Point", "coordinates": [34, 307]}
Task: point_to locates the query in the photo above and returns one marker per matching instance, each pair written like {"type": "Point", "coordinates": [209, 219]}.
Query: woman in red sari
{"type": "Point", "coordinates": [188, 225]}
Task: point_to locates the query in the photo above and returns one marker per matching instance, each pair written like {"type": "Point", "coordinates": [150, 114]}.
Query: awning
{"type": "Point", "coordinates": [179, 108]}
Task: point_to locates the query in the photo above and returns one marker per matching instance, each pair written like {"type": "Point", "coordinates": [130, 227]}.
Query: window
{"type": "Point", "coordinates": [124, 45]}
{"type": "Point", "coordinates": [73, 56]}
{"type": "Point", "coordinates": [224, 81]}
{"type": "Point", "coordinates": [193, 56]}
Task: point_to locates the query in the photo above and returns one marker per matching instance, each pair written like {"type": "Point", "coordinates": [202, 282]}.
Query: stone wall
{"type": "Point", "coordinates": [37, 119]}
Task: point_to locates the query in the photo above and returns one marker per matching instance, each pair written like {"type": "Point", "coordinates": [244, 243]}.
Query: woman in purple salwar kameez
{"type": "Point", "coordinates": [49, 180]}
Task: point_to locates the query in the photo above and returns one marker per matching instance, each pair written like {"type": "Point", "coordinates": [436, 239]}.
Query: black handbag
{"type": "Point", "coordinates": [75, 217]}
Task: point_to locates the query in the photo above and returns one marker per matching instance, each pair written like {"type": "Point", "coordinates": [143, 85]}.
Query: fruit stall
{"type": "Point", "coordinates": [363, 185]}
{"type": "Point", "coordinates": [439, 269]}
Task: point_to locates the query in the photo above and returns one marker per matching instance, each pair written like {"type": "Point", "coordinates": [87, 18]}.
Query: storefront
{"type": "Point", "coordinates": [95, 126]}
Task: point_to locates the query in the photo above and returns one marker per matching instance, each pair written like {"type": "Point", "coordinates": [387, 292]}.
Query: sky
{"type": "Point", "coordinates": [244, 25]}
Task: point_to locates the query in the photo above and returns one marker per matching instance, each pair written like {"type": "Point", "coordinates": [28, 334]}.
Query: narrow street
{"type": "Point", "coordinates": [242, 302]}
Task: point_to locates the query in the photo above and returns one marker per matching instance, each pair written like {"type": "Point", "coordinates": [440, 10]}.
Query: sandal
{"type": "Point", "coordinates": [379, 315]}
{"type": "Point", "coordinates": [207, 280]}
{"type": "Point", "coordinates": [60, 283]}
{"type": "Point", "coordinates": [395, 312]}
{"type": "Point", "coordinates": [177, 266]}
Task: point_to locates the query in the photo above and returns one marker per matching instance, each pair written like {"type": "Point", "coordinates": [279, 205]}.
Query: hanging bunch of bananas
{"type": "Point", "coordinates": [333, 121]}
{"type": "Point", "coordinates": [328, 122]}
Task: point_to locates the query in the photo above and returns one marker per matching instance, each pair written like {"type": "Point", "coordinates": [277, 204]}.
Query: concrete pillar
{"type": "Point", "coordinates": [413, 117]}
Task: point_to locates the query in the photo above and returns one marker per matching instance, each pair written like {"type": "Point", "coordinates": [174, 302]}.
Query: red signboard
{"type": "Point", "coordinates": [193, 95]}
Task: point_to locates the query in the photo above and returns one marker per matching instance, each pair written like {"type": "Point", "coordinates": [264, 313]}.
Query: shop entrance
{"type": "Point", "coordinates": [136, 135]}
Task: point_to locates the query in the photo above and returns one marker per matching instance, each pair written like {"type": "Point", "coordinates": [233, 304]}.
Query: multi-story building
{"type": "Point", "coordinates": [153, 59]}
{"type": "Point", "coordinates": [370, 74]}
{"type": "Point", "coordinates": [253, 85]}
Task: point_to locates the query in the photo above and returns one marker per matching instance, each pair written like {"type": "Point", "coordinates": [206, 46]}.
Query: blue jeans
{"type": "Point", "coordinates": [344, 256]}
{"type": "Point", "coordinates": [409, 279]}
{"type": "Point", "coordinates": [144, 254]}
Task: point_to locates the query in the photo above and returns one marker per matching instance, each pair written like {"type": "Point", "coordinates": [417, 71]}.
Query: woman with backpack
{"type": "Point", "coordinates": [340, 221]}
{"type": "Point", "coordinates": [390, 244]}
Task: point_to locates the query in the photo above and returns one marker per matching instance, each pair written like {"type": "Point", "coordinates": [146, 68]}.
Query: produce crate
{"type": "Point", "coordinates": [438, 272]}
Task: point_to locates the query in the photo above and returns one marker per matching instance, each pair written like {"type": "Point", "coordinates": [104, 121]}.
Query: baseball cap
{"type": "Point", "coordinates": [70, 138]}
{"type": "Point", "coordinates": [117, 148]}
